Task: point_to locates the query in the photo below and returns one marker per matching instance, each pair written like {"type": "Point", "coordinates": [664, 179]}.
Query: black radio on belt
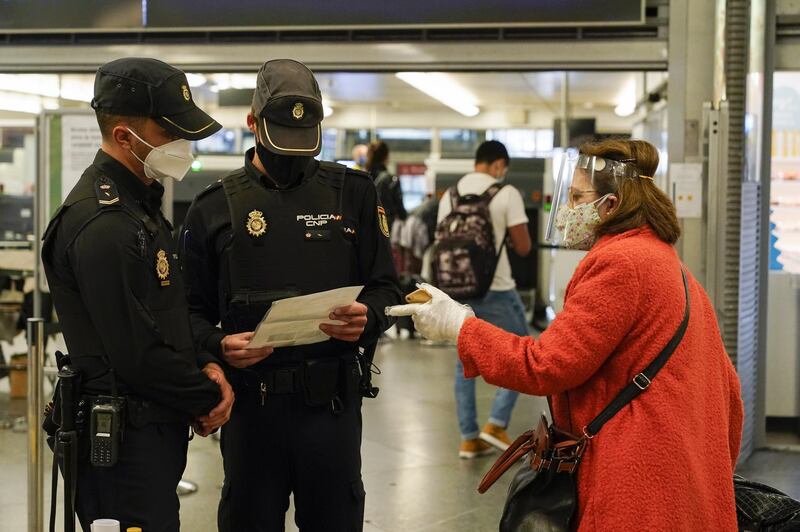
{"type": "Point", "coordinates": [107, 421]}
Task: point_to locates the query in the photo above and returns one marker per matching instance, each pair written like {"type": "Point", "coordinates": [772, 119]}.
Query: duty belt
{"type": "Point", "coordinates": [281, 381]}
{"type": "Point", "coordinates": [260, 383]}
{"type": "Point", "coordinates": [256, 385]}
{"type": "Point", "coordinates": [139, 412]}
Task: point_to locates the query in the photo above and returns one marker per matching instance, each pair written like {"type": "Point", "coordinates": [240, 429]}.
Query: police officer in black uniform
{"type": "Point", "coordinates": [117, 286]}
{"type": "Point", "coordinates": [285, 225]}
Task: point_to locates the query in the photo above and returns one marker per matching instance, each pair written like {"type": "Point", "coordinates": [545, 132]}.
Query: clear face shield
{"type": "Point", "coordinates": [580, 179]}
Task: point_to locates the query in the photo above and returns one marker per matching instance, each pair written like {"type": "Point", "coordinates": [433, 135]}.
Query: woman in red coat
{"type": "Point", "coordinates": [666, 460]}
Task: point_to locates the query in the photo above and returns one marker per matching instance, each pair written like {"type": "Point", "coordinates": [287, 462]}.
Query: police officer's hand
{"type": "Point", "coordinates": [354, 317]}
{"type": "Point", "coordinates": [235, 354]}
{"type": "Point", "coordinates": [222, 412]}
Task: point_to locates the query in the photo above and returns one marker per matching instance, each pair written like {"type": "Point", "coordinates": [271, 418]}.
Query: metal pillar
{"type": "Point", "coordinates": [565, 110]}
{"type": "Point", "coordinates": [690, 85]}
{"type": "Point", "coordinates": [552, 297]}
{"type": "Point", "coordinates": [758, 164]}
{"type": "Point", "coordinates": [35, 440]}
{"type": "Point", "coordinates": [739, 131]}
{"type": "Point", "coordinates": [39, 201]}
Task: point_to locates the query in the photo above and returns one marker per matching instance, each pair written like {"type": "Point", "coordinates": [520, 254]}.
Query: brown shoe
{"type": "Point", "coordinates": [473, 449]}
{"type": "Point", "coordinates": [496, 436]}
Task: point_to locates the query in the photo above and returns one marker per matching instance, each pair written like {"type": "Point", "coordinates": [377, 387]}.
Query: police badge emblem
{"type": "Point", "coordinates": [298, 111]}
{"type": "Point", "coordinates": [162, 267]}
{"type": "Point", "coordinates": [383, 222]}
{"type": "Point", "coordinates": [256, 224]}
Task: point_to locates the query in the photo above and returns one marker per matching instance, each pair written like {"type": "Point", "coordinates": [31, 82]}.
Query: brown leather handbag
{"type": "Point", "coordinates": [542, 496]}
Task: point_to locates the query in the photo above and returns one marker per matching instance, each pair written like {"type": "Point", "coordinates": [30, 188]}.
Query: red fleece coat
{"type": "Point", "coordinates": [666, 461]}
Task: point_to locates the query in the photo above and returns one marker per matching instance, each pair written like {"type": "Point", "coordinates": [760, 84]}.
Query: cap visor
{"type": "Point", "coordinates": [285, 140]}
{"type": "Point", "coordinates": [190, 125]}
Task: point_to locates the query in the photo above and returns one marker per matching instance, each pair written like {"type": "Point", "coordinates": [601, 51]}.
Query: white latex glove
{"type": "Point", "coordinates": [439, 319]}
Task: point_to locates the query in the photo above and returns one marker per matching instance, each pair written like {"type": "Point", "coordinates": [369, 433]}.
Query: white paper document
{"type": "Point", "coordinates": [296, 320]}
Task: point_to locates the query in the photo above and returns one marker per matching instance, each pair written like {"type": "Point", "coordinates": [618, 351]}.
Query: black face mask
{"type": "Point", "coordinates": [283, 171]}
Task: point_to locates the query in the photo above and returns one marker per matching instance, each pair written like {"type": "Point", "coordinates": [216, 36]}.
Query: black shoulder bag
{"type": "Point", "coordinates": [542, 495]}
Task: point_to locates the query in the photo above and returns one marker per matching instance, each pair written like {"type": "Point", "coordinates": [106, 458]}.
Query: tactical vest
{"type": "Point", "coordinates": [164, 300]}
{"type": "Point", "coordinates": [287, 243]}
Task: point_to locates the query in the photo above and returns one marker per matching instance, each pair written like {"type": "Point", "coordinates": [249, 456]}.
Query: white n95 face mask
{"type": "Point", "coordinates": [172, 159]}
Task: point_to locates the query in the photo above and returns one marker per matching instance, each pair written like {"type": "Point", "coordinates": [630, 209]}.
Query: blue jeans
{"type": "Point", "coordinates": [503, 309]}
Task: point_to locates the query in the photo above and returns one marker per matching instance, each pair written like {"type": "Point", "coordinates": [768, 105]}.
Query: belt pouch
{"type": "Point", "coordinates": [321, 381]}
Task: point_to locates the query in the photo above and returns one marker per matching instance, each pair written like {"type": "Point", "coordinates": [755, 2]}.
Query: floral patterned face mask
{"type": "Point", "coordinates": [577, 224]}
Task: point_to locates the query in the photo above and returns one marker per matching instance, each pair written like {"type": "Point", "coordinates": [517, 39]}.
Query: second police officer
{"type": "Point", "coordinates": [296, 424]}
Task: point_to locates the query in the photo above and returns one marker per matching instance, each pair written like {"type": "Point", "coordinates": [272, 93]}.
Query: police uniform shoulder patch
{"type": "Point", "coordinates": [106, 192]}
{"type": "Point", "coordinates": [256, 224]}
{"type": "Point", "coordinates": [383, 221]}
{"type": "Point", "coordinates": [162, 267]}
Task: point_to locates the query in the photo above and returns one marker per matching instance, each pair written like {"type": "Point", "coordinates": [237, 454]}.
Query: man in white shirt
{"type": "Point", "coordinates": [502, 305]}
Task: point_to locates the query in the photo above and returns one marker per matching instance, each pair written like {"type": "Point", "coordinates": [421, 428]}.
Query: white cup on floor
{"type": "Point", "coordinates": [105, 525]}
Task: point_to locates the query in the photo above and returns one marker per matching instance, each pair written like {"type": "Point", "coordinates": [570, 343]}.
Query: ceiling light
{"type": "Point", "coordinates": [327, 110]}
{"type": "Point", "coordinates": [80, 88]}
{"type": "Point", "coordinates": [221, 82]}
{"type": "Point", "coordinates": [443, 88]}
{"type": "Point", "coordinates": [68, 87]}
{"type": "Point", "coordinates": [625, 108]}
{"type": "Point", "coordinates": [196, 80]}
{"type": "Point", "coordinates": [39, 84]}
{"type": "Point", "coordinates": [626, 100]}
{"type": "Point", "coordinates": [20, 103]}
{"type": "Point", "coordinates": [243, 81]}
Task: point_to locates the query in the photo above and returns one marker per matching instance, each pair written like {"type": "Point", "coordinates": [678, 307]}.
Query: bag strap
{"type": "Point", "coordinates": [521, 446]}
{"type": "Point", "coordinates": [641, 381]}
{"type": "Point", "coordinates": [54, 489]}
{"type": "Point", "coordinates": [497, 256]}
{"type": "Point", "coordinates": [489, 194]}
{"type": "Point", "coordinates": [454, 197]}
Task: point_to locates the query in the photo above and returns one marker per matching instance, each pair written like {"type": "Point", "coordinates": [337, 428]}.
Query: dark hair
{"type": "Point", "coordinates": [641, 202]}
{"type": "Point", "coordinates": [490, 151]}
{"type": "Point", "coordinates": [377, 155]}
{"type": "Point", "coordinates": [108, 122]}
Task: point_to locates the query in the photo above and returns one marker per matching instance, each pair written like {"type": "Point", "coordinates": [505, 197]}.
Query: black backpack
{"type": "Point", "coordinates": [464, 256]}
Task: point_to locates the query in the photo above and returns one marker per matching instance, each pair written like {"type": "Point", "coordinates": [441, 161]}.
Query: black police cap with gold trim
{"type": "Point", "coordinates": [288, 105]}
{"type": "Point", "coordinates": [138, 86]}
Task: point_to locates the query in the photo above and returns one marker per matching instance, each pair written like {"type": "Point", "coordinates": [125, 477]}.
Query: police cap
{"type": "Point", "coordinates": [288, 106]}
{"type": "Point", "coordinates": [137, 86]}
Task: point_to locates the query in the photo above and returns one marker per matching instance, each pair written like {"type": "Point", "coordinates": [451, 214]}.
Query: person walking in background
{"type": "Point", "coordinates": [418, 233]}
{"type": "Point", "coordinates": [390, 195]}
{"type": "Point", "coordinates": [501, 305]}
{"type": "Point", "coordinates": [360, 157]}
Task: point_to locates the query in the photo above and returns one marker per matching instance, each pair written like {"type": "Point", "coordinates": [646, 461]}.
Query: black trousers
{"type": "Point", "coordinates": [288, 447]}
{"type": "Point", "coordinates": [139, 490]}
